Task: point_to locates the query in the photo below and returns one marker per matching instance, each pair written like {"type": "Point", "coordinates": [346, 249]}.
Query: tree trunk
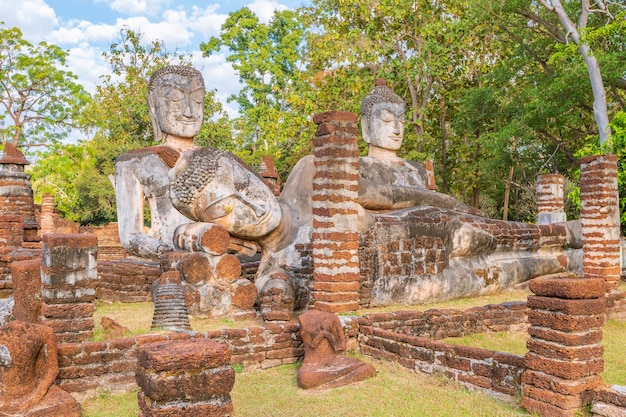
{"type": "Point", "coordinates": [600, 110]}
{"type": "Point", "coordinates": [444, 149]}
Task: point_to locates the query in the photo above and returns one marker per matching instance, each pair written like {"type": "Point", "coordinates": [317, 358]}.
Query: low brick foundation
{"type": "Point", "coordinates": [85, 367]}
{"type": "Point", "coordinates": [496, 372]}
{"type": "Point", "coordinates": [439, 324]}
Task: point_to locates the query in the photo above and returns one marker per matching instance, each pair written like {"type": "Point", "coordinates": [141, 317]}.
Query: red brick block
{"type": "Point", "coordinates": [569, 288]}
{"type": "Point", "coordinates": [561, 385]}
{"type": "Point", "coordinates": [335, 116]}
{"type": "Point", "coordinates": [575, 307]}
{"type": "Point", "coordinates": [589, 337]}
{"type": "Point", "coordinates": [546, 410]}
{"type": "Point", "coordinates": [181, 355]}
{"type": "Point", "coordinates": [563, 369]}
{"type": "Point", "coordinates": [184, 384]}
{"type": "Point", "coordinates": [566, 402]}
{"type": "Point", "coordinates": [565, 322]}
{"type": "Point", "coordinates": [557, 351]}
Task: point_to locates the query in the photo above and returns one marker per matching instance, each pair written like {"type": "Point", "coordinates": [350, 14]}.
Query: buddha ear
{"type": "Point", "coordinates": [158, 135]}
{"type": "Point", "coordinates": [365, 131]}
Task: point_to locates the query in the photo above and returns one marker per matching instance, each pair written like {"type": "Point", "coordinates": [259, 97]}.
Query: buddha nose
{"type": "Point", "coordinates": [397, 127]}
{"type": "Point", "coordinates": [187, 109]}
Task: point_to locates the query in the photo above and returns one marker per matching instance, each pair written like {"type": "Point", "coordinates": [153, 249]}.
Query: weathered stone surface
{"type": "Point", "coordinates": [183, 355]}
{"type": "Point", "coordinates": [197, 385]}
{"type": "Point", "coordinates": [188, 377]}
{"type": "Point", "coordinates": [217, 408]}
{"type": "Point", "coordinates": [244, 295]}
{"type": "Point", "coordinates": [576, 307]}
{"type": "Point", "coordinates": [276, 300]}
{"type": "Point", "coordinates": [196, 268]}
{"type": "Point", "coordinates": [28, 369]}
{"type": "Point", "coordinates": [27, 290]}
{"type": "Point", "coordinates": [560, 286]}
{"type": "Point", "coordinates": [323, 366]}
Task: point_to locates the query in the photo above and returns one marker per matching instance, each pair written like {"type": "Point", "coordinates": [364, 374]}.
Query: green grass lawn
{"type": "Point", "coordinates": [394, 391]}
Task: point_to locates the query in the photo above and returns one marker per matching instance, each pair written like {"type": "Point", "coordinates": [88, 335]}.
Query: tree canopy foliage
{"type": "Point", "coordinates": [39, 99]}
{"type": "Point", "coordinates": [497, 93]}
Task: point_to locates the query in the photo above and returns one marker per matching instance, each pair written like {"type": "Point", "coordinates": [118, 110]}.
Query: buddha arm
{"type": "Point", "coordinates": [49, 360]}
{"type": "Point", "coordinates": [374, 196]}
{"type": "Point", "coordinates": [129, 196]}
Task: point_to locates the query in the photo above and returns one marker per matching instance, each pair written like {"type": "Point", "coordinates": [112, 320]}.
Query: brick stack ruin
{"type": "Point", "coordinates": [68, 276]}
{"type": "Point", "coordinates": [550, 201]}
{"type": "Point", "coordinates": [600, 218]}
{"type": "Point", "coordinates": [18, 226]}
{"type": "Point", "coordinates": [336, 274]}
{"type": "Point", "coordinates": [190, 377]}
{"type": "Point", "coordinates": [16, 194]}
{"type": "Point", "coordinates": [564, 357]}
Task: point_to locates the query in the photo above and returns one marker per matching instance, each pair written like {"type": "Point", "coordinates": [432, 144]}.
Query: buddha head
{"type": "Point", "coordinates": [175, 102]}
{"type": "Point", "coordinates": [382, 118]}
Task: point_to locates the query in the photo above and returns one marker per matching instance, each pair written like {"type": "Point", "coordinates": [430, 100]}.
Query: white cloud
{"type": "Point", "coordinates": [135, 7]}
{"type": "Point", "coordinates": [34, 17]}
{"type": "Point", "coordinates": [88, 64]}
{"type": "Point", "coordinates": [206, 21]}
{"type": "Point", "coordinates": [264, 9]}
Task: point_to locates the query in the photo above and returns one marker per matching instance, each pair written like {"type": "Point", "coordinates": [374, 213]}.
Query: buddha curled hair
{"type": "Point", "coordinates": [380, 94]}
{"type": "Point", "coordinates": [173, 69]}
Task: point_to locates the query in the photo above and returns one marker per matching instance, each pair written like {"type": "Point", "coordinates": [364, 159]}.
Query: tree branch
{"type": "Point", "coordinates": [554, 30]}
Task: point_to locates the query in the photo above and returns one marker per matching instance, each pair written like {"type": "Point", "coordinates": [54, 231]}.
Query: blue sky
{"type": "Point", "coordinates": [86, 28]}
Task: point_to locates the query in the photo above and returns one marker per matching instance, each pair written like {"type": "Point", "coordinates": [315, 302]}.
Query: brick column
{"type": "Point", "coordinates": [185, 378]}
{"type": "Point", "coordinates": [47, 214]}
{"type": "Point", "coordinates": [550, 199]}
{"type": "Point", "coordinates": [69, 273]}
{"type": "Point", "coordinates": [11, 237]}
{"type": "Point", "coordinates": [599, 209]}
{"type": "Point", "coordinates": [564, 356]}
{"type": "Point", "coordinates": [27, 290]}
{"type": "Point", "coordinates": [11, 233]}
{"type": "Point", "coordinates": [335, 238]}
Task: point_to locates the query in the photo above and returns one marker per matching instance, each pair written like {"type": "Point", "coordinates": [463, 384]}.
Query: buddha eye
{"type": "Point", "coordinates": [387, 116]}
{"type": "Point", "coordinates": [172, 93]}
{"type": "Point", "coordinates": [197, 96]}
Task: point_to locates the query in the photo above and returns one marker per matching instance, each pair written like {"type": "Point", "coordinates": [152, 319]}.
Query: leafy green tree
{"type": "Point", "coordinates": [267, 58]}
{"type": "Point", "coordinates": [39, 99]}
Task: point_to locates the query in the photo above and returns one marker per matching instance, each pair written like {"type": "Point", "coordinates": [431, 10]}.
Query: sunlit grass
{"type": "Point", "coordinates": [614, 334]}
{"type": "Point", "coordinates": [394, 391]}
{"type": "Point", "coordinates": [107, 404]}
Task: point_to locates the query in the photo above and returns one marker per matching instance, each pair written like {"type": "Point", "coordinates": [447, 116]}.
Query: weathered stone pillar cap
{"type": "Point", "coordinates": [335, 115]}
{"type": "Point", "coordinates": [180, 355]}
{"type": "Point", "coordinates": [565, 286]}
{"type": "Point", "coordinates": [74, 240]}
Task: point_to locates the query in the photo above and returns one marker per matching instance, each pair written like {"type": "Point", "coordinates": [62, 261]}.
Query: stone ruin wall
{"type": "Point", "coordinates": [87, 366]}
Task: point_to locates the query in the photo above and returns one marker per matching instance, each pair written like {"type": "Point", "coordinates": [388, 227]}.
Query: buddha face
{"type": "Point", "coordinates": [386, 126]}
{"type": "Point", "coordinates": [178, 102]}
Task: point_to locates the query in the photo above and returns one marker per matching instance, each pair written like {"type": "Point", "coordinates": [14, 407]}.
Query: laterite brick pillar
{"type": "Point", "coordinates": [599, 201]}
{"type": "Point", "coordinates": [336, 273]}
{"type": "Point", "coordinates": [27, 290]}
{"type": "Point", "coordinates": [564, 356]}
{"type": "Point", "coordinates": [69, 274]}
{"type": "Point", "coordinates": [47, 214]}
{"type": "Point", "coordinates": [11, 237]}
{"type": "Point", "coordinates": [185, 378]}
{"type": "Point", "coordinates": [550, 199]}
